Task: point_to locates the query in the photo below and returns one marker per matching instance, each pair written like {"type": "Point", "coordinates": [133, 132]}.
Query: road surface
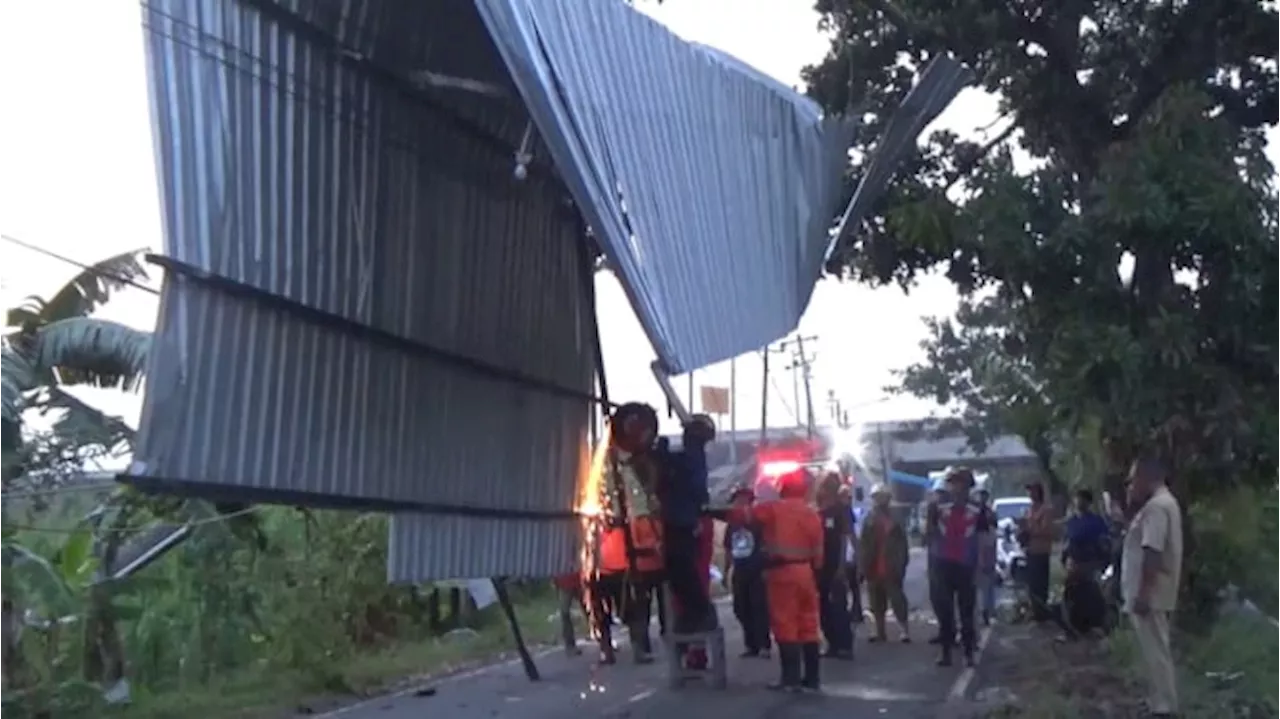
{"type": "Point", "coordinates": [890, 680]}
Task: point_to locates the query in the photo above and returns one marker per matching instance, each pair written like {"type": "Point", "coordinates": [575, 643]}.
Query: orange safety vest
{"type": "Point", "coordinates": [646, 537]}
{"type": "Point", "coordinates": [791, 532]}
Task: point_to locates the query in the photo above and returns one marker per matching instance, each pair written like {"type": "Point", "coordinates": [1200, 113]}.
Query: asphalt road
{"type": "Point", "coordinates": [890, 680]}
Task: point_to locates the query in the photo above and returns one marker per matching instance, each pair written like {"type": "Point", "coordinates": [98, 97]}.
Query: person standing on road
{"type": "Point", "coordinates": [569, 587]}
{"type": "Point", "coordinates": [885, 552]}
{"type": "Point", "coordinates": [938, 496]}
{"type": "Point", "coordinates": [1151, 570]}
{"type": "Point", "coordinates": [987, 566]}
{"type": "Point", "coordinates": [1040, 531]}
{"type": "Point", "coordinates": [744, 574]}
{"type": "Point", "coordinates": [859, 508]}
{"type": "Point", "coordinates": [957, 526]}
{"type": "Point", "coordinates": [792, 534]}
{"type": "Point", "coordinates": [837, 535]}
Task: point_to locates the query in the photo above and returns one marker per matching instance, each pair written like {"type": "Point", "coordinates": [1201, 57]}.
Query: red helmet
{"type": "Point", "coordinates": [794, 485]}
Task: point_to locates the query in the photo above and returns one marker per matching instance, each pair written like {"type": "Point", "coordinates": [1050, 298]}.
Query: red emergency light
{"type": "Point", "coordinates": [779, 467]}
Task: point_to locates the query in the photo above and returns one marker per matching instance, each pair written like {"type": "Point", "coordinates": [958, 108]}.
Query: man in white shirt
{"type": "Point", "coordinates": [1151, 568]}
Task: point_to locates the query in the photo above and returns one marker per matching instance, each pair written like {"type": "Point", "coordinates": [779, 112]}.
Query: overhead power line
{"type": "Point", "coordinates": [82, 265]}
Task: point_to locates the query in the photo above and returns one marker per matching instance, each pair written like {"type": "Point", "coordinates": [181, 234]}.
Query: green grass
{"type": "Point", "coordinates": [256, 694]}
{"type": "Point", "coordinates": [1227, 673]}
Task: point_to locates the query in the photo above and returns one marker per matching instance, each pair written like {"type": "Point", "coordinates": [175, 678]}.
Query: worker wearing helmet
{"type": "Point", "coordinates": [630, 557]}
{"type": "Point", "coordinates": [792, 535]}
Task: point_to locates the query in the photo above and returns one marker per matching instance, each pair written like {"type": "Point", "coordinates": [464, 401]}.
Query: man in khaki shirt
{"type": "Point", "coordinates": [1151, 567]}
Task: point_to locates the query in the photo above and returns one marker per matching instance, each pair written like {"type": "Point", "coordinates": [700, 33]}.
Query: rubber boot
{"type": "Point", "coordinates": [811, 655]}
{"type": "Point", "coordinates": [789, 667]}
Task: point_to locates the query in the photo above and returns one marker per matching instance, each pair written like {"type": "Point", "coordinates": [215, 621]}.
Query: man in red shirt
{"type": "Point", "coordinates": [953, 529]}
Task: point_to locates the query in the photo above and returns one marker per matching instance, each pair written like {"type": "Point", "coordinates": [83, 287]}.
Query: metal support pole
{"type": "Point", "coordinates": [504, 601]}
{"type": "Point", "coordinates": [691, 405]}
{"type": "Point", "coordinates": [764, 400]}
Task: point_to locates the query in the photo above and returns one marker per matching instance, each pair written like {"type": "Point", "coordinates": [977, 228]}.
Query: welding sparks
{"type": "Point", "coordinates": [589, 493]}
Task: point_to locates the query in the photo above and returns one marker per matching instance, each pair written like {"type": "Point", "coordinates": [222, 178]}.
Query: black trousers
{"type": "Point", "coordinates": [833, 607]}
{"type": "Point", "coordinates": [695, 608]}
{"type": "Point", "coordinates": [751, 607]}
{"type": "Point", "coordinates": [855, 592]}
{"type": "Point", "coordinates": [630, 601]}
{"type": "Point", "coordinates": [955, 591]}
{"type": "Point", "coordinates": [1038, 585]}
{"type": "Point", "coordinates": [1084, 607]}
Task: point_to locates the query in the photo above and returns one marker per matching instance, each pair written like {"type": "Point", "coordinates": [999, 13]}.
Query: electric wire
{"type": "Point", "coordinates": [82, 265]}
{"type": "Point", "coordinates": [10, 526]}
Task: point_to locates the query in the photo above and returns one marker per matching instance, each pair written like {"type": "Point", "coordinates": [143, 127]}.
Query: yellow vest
{"type": "Point", "coordinates": [621, 473]}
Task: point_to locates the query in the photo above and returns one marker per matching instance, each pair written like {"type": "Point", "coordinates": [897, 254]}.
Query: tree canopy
{"type": "Point", "coordinates": [1113, 236]}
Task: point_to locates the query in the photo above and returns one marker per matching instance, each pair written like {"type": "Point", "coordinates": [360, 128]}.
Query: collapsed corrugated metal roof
{"type": "Point", "coordinates": [346, 207]}
{"type": "Point", "coordinates": [710, 186]}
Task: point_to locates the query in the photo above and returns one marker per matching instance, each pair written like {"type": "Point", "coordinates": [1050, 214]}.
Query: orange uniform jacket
{"type": "Point", "coordinates": [646, 537]}
{"type": "Point", "coordinates": [792, 534]}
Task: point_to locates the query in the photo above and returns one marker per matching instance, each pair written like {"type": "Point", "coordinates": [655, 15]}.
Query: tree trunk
{"type": "Point", "coordinates": [455, 608]}
{"type": "Point", "coordinates": [433, 611]}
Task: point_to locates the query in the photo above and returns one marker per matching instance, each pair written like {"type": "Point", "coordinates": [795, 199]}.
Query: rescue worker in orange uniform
{"type": "Point", "coordinates": [630, 560]}
{"type": "Point", "coordinates": [792, 534]}
{"type": "Point", "coordinates": [630, 594]}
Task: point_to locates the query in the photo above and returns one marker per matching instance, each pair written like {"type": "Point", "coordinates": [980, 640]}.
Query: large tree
{"type": "Point", "coordinates": [1112, 236]}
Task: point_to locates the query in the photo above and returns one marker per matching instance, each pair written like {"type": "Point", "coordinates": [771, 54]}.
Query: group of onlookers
{"type": "Point", "coordinates": [1139, 542]}
{"type": "Point", "coordinates": [862, 543]}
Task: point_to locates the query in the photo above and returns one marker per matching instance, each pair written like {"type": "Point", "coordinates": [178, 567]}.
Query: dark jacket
{"type": "Point", "coordinates": [837, 530]}
{"type": "Point", "coordinates": [744, 545]}
{"type": "Point", "coordinates": [685, 486]}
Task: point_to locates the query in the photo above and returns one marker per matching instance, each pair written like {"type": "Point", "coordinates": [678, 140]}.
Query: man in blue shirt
{"type": "Point", "coordinates": [684, 499]}
{"type": "Point", "coordinates": [1088, 536]}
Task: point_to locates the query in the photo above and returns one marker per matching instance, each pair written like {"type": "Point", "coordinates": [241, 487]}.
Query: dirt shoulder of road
{"type": "Point", "coordinates": [1026, 672]}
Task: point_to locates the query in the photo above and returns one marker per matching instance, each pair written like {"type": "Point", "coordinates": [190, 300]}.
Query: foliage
{"type": "Point", "coordinates": [247, 594]}
{"type": "Point", "coordinates": [1114, 242]}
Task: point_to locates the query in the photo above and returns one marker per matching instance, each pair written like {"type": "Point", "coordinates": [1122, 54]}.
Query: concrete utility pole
{"type": "Point", "coordinates": [884, 455]}
{"type": "Point", "coordinates": [800, 370]}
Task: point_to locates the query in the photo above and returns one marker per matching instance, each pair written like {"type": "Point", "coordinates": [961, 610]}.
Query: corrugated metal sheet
{"type": "Point", "coordinates": [710, 187]}
{"type": "Point", "coordinates": [939, 84]}
{"type": "Point", "coordinates": [285, 167]}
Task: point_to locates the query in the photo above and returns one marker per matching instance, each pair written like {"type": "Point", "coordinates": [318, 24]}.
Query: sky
{"type": "Point", "coordinates": [77, 177]}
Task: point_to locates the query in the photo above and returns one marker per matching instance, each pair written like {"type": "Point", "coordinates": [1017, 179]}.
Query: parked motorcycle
{"type": "Point", "coordinates": [1011, 558]}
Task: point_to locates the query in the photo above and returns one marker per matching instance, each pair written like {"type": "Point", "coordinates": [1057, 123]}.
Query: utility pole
{"type": "Point", "coordinates": [808, 387]}
{"type": "Point", "coordinates": [884, 456]}
{"type": "Point", "coordinates": [800, 370]}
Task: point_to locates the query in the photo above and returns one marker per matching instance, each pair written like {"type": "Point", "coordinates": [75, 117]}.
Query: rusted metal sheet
{"type": "Point", "coordinates": [290, 168]}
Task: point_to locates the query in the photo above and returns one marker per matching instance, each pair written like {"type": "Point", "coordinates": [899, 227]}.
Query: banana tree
{"type": "Point", "coordinates": [50, 345]}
